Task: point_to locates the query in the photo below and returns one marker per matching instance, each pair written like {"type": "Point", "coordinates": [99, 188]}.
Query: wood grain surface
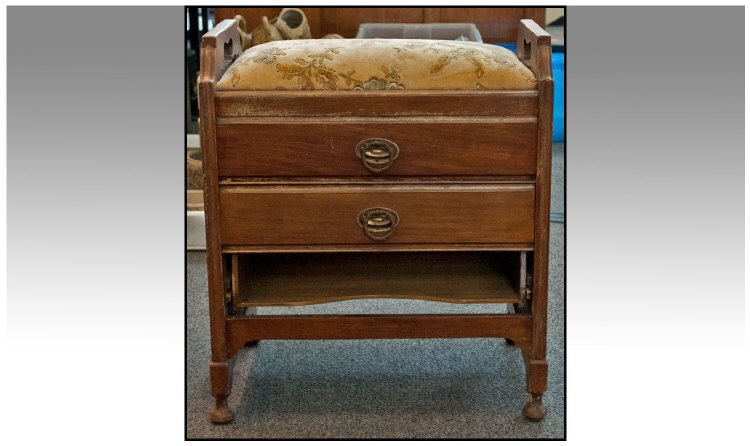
{"type": "Point", "coordinates": [512, 103]}
{"type": "Point", "coordinates": [382, 326]}
{"type": "Point", "coordinates": [428, 146]}
{"type": "Point", "coordinates": [380, 247]}
{"type": "Point", "coordinates": [218, 47]}
{"type": "Point", "coordinates": [311, 278]}
{"type": "Point", "coordinates": [327, 215]}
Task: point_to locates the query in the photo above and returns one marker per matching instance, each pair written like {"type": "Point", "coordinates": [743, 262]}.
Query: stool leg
{"type": "Point", "coordinates": [220, 386]}
{"type": "Point", "coordinates": [536, 384]}
{"type": "Point", "coordinates": [534, 410]}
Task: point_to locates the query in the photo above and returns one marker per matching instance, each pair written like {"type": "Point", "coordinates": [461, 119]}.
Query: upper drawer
{"type": "Point", "coordinates": [376, 146]}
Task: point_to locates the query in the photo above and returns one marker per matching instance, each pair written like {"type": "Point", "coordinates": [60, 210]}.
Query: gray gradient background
{"type": "Point", "coordinates": [655, 168]}
{"type": "Point", "coordinates": [96, 213]}
{"type": "Point", "coordinates": [655, 209]}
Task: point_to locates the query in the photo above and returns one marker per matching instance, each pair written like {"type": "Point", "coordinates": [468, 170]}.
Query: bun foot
{"type": "Point", "coordinates": [221, 413]}
{"type": "Point", "coordinates": [509, 341]}
{"type": "Point", "coordinates": [251, 343]}
{"type": "Point", "coordinates": [534, 410]}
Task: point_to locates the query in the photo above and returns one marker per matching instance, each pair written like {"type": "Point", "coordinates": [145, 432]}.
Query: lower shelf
{"type": "Point", "coordinates": [312, 278]}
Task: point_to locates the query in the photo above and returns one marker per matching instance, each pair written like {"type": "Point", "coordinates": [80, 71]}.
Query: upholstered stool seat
{"type": "Point", "coordinates": [376, 64]}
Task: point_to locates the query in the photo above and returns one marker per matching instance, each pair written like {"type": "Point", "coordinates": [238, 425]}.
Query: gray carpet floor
{"type": "Point", "coordinates": [414, 388]}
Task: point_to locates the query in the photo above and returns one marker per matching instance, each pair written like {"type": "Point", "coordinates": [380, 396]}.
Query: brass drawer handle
{"type": "Point", "coordinates": [377, 154]}
{"type": "Point", "coordinates": [378, 223]}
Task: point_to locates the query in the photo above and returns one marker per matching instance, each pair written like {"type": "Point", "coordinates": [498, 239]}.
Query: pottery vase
{"type": "Point", "coordinates": [292, 24]}
{"type": "Point", "coordinates": [245, 39]}
{"type": "Point", "coordinates": [265, 32]}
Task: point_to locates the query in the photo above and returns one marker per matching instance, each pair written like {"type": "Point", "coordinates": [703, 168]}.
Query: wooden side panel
{"type": "Point", "coordinates": [543, 56]}
{"type": "Point", "coordinates": [328, 215]}
{"type": "Point", "coordinates": [217, 46]}
{"type": "Point", "coordinates": [426, 147]}
{"type": "Point", "coordinates": [520, 103]}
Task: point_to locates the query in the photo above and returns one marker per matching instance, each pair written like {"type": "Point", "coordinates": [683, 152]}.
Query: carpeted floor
{"type": "Point", "coordinates": [414, 388]}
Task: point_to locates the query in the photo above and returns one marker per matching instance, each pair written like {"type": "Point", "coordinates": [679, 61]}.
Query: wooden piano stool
{"type": "Point", "coordinates": [337, 194]}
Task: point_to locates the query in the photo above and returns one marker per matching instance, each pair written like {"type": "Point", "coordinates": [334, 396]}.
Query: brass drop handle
{"type": "Point", "coordinates": [377, 154]}
{"type": "Point", "coordinates": [378, 223]}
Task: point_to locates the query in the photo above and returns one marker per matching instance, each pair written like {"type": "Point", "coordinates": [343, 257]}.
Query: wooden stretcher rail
{"type": "Point", "coordinates": [241, 330]}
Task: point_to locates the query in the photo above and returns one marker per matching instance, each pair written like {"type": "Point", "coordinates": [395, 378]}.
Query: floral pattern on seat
{"type": "Point", "coordinates": [376, 64]}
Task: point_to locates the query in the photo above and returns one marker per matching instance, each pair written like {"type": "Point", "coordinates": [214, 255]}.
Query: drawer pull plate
{"type": "Point", "coordinates": [378, 223]}
{"type": "Point", "coordinates": [377, 154]}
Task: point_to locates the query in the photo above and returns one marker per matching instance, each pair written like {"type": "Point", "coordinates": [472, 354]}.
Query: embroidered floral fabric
{"type": "Point", "coordinates": [376, 64]}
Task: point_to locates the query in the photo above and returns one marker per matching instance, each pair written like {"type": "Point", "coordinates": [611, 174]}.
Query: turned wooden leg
{"type": "Point", "coordinates": [221, 413]}
{"type": "Point", "coordinates": [220, 385]}
{"type": "Point", "coordinates": [536, 384]}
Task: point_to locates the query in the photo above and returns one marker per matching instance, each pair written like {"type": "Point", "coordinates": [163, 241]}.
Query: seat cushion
{"type": "Point", "coordinates": [376, 64]}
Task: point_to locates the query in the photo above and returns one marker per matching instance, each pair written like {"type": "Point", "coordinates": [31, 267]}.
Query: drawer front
{"type": "Point", "coordinates": [435, 146]}
{"type": "Point", "coordinates": [305, 215]}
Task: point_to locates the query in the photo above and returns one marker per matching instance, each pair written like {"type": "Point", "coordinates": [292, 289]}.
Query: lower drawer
{"type": "Point", "coordinates": [277, 215]}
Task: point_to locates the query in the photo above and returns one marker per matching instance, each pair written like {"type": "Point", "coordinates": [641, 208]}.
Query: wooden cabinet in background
{"type": "Point", "coordinates": [496, 25]}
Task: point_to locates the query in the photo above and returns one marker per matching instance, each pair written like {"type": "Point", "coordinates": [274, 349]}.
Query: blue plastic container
{"type": "Point", "coordinates": [558, 73]}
